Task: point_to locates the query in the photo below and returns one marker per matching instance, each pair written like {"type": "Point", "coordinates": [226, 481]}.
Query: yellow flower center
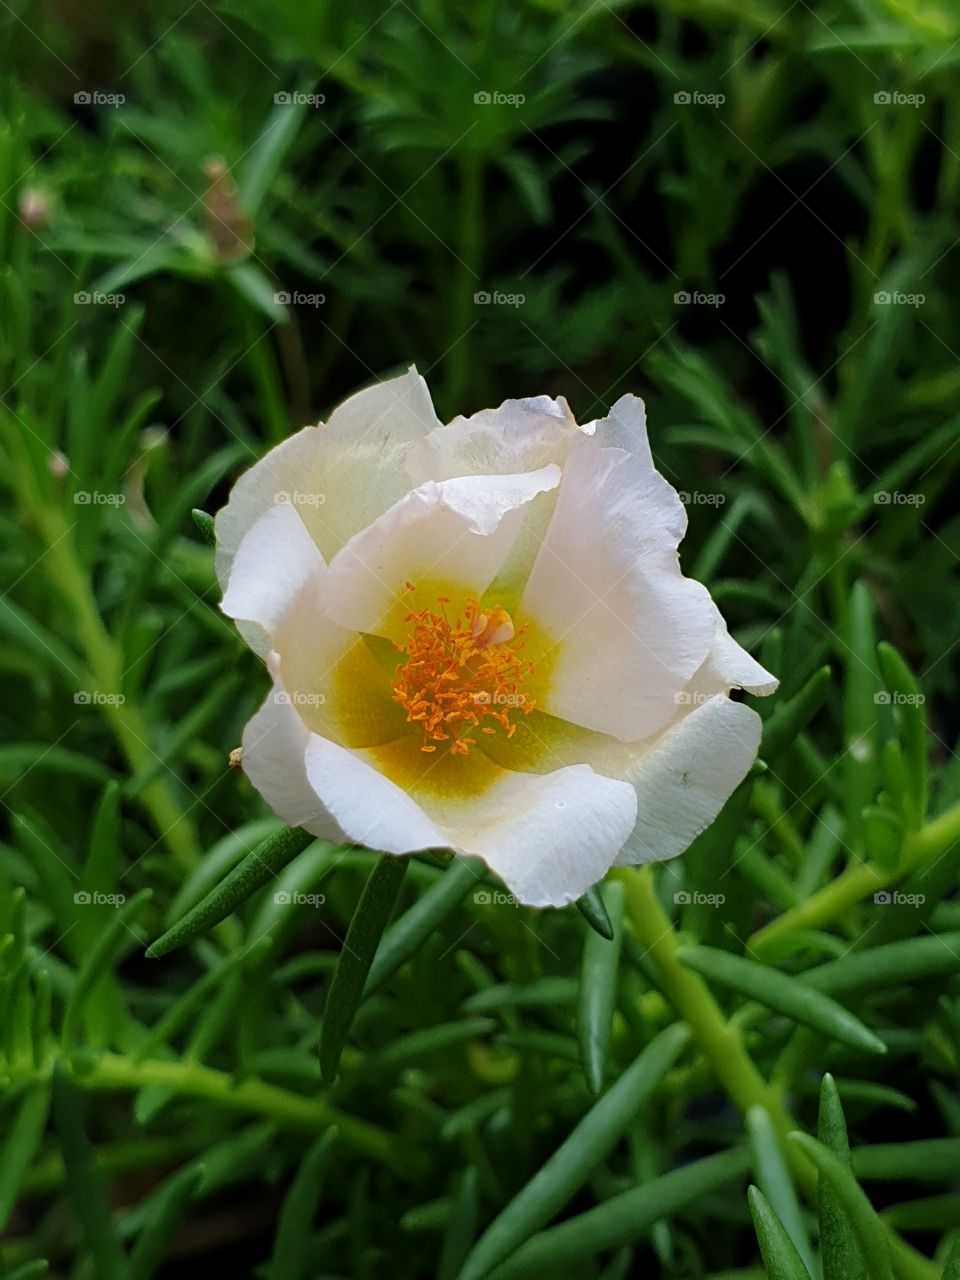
{"type": "Point", "coordinates": [460, 676]}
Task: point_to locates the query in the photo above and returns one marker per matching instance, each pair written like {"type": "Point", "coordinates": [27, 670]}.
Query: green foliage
{"type": "Point", "coordinates": [440, 1083]}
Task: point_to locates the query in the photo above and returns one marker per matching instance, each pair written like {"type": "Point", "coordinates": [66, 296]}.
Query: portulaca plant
{"type": "Point", "coordinates": [479, 638]}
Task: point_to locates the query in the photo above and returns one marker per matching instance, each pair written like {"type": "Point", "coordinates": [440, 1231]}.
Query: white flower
{"type": "Point", "coordinates": [480, 639]}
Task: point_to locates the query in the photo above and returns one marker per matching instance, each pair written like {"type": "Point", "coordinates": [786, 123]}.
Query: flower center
{"type": "Point", "coordinates": [463, 675]}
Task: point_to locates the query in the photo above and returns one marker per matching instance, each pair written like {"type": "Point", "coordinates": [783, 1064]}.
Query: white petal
{"type": "Point", "coordinates": [276, 561]}
{"type": "Point", "coordinates": [549, 837]}
{"type": "Point", "coordinates": [628, 630]}
{"type": "Point", "coordinates": [521, 435]}
{"type": "Point", "coordinates": [371, 809]}
{"type": "Point", "coordinates": [454, 531]}
{"type": "Point", "coordinates": [625, 427]}
{"type": "Point", "coordinates": [274, 748]}
{"type": "Point", "coordinates": [341, 475]}
{"type": "Point", "coordinates": [686, 777]}
{"type": "Point", "coordinates": [729, 666]}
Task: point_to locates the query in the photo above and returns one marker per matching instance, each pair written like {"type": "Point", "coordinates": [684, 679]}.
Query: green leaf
{"type": "Point", "coordinates": [205, 524]}
{"type": "Point", "coordinates": [363, 937]}
{"type": "Point", "coordinates": [786, 995]}
{"type": "Point", "coordinates": [792, 717]}
{"type": "Point", "coordinates": [852, 1201]}
{"type": "Point", "coordinates": [780, 1256]}
{"type": "Point", "coordinates": [598, 989]}
{"type": "Point", "coordinates": [594, 912]}
{"type": "Point", "coordinates": [951, 1268]}
{"type": "Point", "coordinates": [84, 1184]}
{"type": "Point", "coordinates": [929, 1160]}
{"type": "Point", "coordinates": [840, 1253]}
{"type": "Point", "coordinates": [908, 702]}
{"type": "Point", "coordinates": [571, 1165]}
{"type": "Point", "coordinates": [402, 940]}
{"type": "Point", "coordinates": [908, 961]}
{"type": "Point", "coordinates": [461, 1226]}
{"type": "Point", "coordinates": [623, 1218]}
{"type": "Point", "coordinates": [166, 1210]}
{"type": "Point", "coordinates": [290, 1249]}
{"type": "Point", "coordinates": [775, 1182]}
{"type": "Point", "coordinates": [20, 1146]}
{"type": "Point", "coordinates": [256, 869]}
{"type": "Point", "coordinates": [117, 936]}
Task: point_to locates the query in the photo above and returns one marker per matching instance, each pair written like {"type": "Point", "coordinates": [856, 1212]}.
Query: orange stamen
{"type": "Point", "coordinates": [458, 674]}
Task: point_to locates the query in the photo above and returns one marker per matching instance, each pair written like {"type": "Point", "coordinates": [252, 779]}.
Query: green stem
{"type": "Point", "coordinates": [858, 882]}
{"type": "Point", "coordinates": [192, 1079]}
{"type": "Point", "coordinates": [105, 661]}
{"type": "Point", "coordinates": [722, 1046]}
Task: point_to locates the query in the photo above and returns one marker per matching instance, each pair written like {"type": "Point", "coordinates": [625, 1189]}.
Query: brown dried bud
{"type": "Point", "coordinates": [229, 229]}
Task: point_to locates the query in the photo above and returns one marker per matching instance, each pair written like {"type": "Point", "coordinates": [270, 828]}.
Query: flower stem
{"type": "Point", "coordinates": [857, 882]}
{"type": "Point", "coordinates": [722, 1046]}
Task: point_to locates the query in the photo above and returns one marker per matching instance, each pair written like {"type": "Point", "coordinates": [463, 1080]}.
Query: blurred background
{"type": "Point", "coordinates": [218, 219]}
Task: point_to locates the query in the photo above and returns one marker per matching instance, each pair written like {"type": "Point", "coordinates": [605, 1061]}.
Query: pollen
{"type": "Point", "coordinates": [463, 676]}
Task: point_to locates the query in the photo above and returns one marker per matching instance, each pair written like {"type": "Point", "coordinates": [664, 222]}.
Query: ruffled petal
{"type": "Point", "coordinates": [276, 562]}
{"type": "Point", "coordinates": [340, 475]}
{"type": "Point", "coordinates": [627, 629]}
{"type": "Point", "coordinates": [452, 532]}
